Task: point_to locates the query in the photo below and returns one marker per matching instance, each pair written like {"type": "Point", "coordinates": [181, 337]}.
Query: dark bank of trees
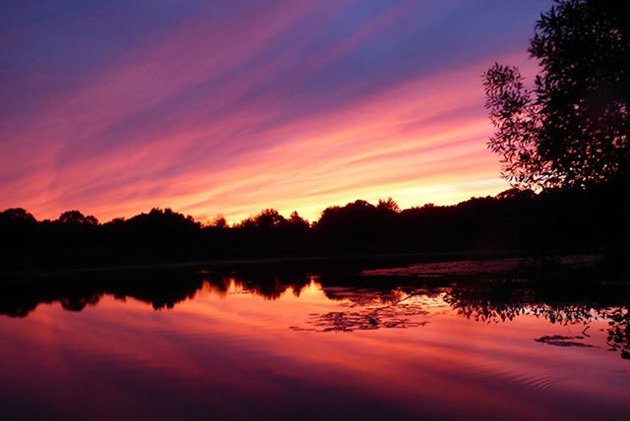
{"type": "Point", "coordinates": [553, 221]}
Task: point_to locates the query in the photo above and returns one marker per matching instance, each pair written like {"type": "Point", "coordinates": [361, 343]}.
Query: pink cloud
{"type": "Point", "coordinates": [160, 128]}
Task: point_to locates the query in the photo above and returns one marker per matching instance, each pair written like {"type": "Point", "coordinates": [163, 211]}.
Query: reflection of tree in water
{"type": "Point", "coordinates": [259, 280]}
{"type": "Point", "coordinates": [272, 288]}
{"type": "Point", "coordinates": [161, 290]}
{"type": "Point", "coordinates": [496, 302]}
{"type": "Point", "coordinates": [564, 341]}
{"type": "Point", "coordinates": [78, 303]}
{"type": "Point", "coordinates": [370, 311]}
{"type": "Point", "coordinates": [367, 303]}
{"type": "Point", "coordinates": [619, 330]}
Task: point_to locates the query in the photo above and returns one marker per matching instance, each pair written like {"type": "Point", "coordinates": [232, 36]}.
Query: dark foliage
{"type": "Point", "coordinates": [572, 129]}
{"type": "Point", "coordinates": [564, 295]}
{"type": "Point", "coordinates": [595, 219]}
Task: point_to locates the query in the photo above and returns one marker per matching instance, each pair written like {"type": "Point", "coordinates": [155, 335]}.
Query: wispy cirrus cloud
{"type": "Point", "coordinates": [231, 107]}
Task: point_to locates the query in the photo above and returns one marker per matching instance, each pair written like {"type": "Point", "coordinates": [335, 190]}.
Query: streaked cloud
{"type": "Point", "coordinates": [231, 107]}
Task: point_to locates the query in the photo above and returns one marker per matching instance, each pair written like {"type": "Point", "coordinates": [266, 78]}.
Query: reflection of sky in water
{"type": "Point", "coordinates": [228, 352]}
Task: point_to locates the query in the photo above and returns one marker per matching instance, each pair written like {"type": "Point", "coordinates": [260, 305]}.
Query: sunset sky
{"type": "Point", "coordinates": [229, 107]}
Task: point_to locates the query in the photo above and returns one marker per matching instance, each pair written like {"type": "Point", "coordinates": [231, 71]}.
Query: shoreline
{"type": "Point", "coordinates": [402, 258]}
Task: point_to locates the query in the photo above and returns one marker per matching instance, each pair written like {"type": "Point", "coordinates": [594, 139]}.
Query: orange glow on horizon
{"type": "Point", "coordinates": [239, 130]}
{"type": "Point", "coordinates": [418, 143]}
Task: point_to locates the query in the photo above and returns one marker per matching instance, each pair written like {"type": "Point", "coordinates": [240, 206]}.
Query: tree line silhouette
{"type": "Point", "coordinates": [515, 221]}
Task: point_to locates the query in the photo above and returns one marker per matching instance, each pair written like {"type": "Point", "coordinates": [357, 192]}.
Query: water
{"type": "Point", "coordinates": [452, 340]}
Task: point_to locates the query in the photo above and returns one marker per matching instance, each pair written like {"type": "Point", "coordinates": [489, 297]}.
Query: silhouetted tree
{"type": "Point", "coordinates": [74, 217]}
{"type": "Point", "coordinates": [389, 205]}
{"type": "Point", "coordinates": [16, 216]}
{"type": "Point", "coordinates": [17, 228]}
{"type": "Point", "coordinates": [220, 222]}
{"type": "Point", "coordinates": [573, 128]}
{"type": "Point", "coordinates": [516, 194]}
{"type": "Point", "coordinates": [162, 223]}
{"type": "Point", "coordinates": [297, 221]}
{"type": "Point", "coordinates": [269, 219]}
{"type": "Point", "coordinates": [572, 220]}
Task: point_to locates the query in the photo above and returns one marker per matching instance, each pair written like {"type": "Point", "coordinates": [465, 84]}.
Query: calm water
{"type": "Point", "coordinates": [455, 340]}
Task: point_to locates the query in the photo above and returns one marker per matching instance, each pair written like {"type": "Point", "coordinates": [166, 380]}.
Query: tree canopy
{"type": "Point", "coordinates": [572, 128]}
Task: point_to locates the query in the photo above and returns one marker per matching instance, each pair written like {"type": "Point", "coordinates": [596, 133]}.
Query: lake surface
{"type": "Point", "coordinates": [439, 341]}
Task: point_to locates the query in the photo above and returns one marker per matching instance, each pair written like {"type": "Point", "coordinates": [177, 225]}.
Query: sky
{"type": "Point", "coordinates": [229, 107]}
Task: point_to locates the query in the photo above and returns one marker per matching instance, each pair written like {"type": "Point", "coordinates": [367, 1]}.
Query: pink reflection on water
{"type": "Point", "coordinates": [228, 352]}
